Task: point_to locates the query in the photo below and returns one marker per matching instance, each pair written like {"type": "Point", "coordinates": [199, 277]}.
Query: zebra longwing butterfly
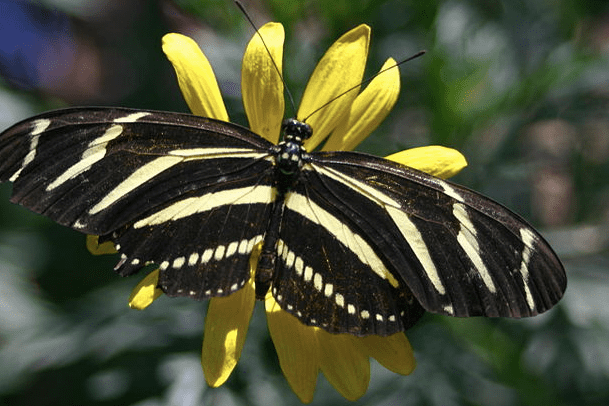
{"type": "Point", "coordinates": [351, 242]}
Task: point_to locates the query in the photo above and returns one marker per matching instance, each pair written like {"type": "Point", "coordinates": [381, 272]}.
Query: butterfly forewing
{"type": "Point", "coordinates": [460, 253]}
{"type": "Point", "coordinates": [97, 169]}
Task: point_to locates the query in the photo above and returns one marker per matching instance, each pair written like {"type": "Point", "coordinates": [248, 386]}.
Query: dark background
{"type": "Point", "coordinates": [520, 87]}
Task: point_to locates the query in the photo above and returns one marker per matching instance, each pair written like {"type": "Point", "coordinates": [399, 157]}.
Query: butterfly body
{"type": "Point", "coordinates": [350, 242]}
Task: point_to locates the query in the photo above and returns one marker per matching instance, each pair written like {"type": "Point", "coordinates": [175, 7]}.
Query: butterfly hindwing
{"type": "Point", "coordinates": [201, 243]}
{"type": "Point", "coordinates": [328, 276]}
{"type": "Point", "coordinates": [458, 252]}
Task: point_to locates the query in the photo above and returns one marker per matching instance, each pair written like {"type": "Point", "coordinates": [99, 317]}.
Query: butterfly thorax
{"type": "Point", "coordinates": [290, 152]}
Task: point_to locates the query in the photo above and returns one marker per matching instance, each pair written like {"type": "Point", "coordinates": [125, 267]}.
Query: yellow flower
{"type": "Point", "coordinates": [303, 351]}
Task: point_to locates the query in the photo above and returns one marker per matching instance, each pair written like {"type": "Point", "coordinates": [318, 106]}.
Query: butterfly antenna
{"type": "Point", "coordinates": [363, 82]}
{"type": "Point", "coordinates": [285, 86]}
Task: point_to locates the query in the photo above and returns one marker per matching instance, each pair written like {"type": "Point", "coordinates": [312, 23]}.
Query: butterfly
{"type": "Point", "coordinates": [350, 242]}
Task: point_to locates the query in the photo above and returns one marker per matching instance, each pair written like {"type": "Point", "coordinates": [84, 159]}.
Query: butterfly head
{"type": "Point", "coordinates": [295, 131]}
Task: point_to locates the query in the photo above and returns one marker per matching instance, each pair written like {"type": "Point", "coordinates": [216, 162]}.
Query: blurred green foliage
{"type": "Point", "coordinates": [520, 87]}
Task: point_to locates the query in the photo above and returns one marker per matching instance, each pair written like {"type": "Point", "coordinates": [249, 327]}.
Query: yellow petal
{"type": "Point", "coordinates": [297, 349]}
{"type": "Point", "coordinates": [368, 110]}
{"type": "Point", "coordinates": [145, 292]}
{"type": "Point", "coordinates": [393, 352]}
{"type": "Point", "coordinates": [96, 248]}
{"type": "Point", "coordinates": [340, 69]}
{"type": "Point", "coordinates": [344, 363]}
{"type": "Point", "coordinates": [261, 84]}
{"type": "Point", "coordinates": [434, 159]}
{"type": "Point", "coordinates": [195, 77]}
{"type": "Point", "coordinates": [226, 326]}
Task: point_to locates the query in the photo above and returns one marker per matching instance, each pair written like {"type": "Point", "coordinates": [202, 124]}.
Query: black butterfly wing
{"type": "Point", "coordinates": [159, 185]}
{"type": "Point", "coordinates": [386, 232]}
{"type": "Point", "coordinates": [328, 275]}
{"type": "Point", "coordinates": [359, 237]}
